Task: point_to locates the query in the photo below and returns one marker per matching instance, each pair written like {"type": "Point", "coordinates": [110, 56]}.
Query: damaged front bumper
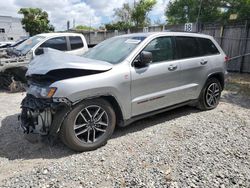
{"type": "Point", "coordinates": [43, 116]}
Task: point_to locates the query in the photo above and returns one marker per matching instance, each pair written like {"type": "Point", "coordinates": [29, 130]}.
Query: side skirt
{"type": "Point", "coordinates": [142, 116]}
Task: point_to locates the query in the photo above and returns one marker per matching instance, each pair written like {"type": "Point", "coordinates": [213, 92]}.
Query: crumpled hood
{"type": "Point", "coordinates": [55, 59]}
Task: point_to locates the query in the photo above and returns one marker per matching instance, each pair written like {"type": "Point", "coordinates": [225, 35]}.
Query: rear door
{"type": "Point", "coordinates": [194, 65]}
{"type": "Point", "coordinates": [157, 85]}
{"type": "Point", "coordinates": [77, 45]}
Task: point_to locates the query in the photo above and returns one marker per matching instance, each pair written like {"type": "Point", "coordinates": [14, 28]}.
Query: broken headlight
{"type": "Point", "coordinates": [41, 92]}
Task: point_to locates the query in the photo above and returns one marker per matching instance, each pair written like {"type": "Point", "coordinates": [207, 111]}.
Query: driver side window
{"type": "Point", "coordinates": [161, 49]}
{"type": "Point", "coordinates": [58, 43]}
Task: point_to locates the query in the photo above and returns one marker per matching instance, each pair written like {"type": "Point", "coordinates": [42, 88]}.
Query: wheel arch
{"type": "Point", "coordinates": [113, 102]}
{"type": "Point", "coordinates": [219, 76]}
{"type": "Point", "coordinates": [117, 108]}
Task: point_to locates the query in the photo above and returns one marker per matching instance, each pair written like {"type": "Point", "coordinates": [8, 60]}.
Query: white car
{"type": "Point", "coordinates": [5, 44]}
{"type": "Point", "coordinates": [14, 61]}
{"type": "Point", "coordinates": [72, 43]}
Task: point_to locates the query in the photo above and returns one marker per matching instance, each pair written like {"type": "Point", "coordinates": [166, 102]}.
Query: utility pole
{"type": "Point", "coordinates": [68, 25]}
{"type": "Point", "coordinates": [89, 30]}
{"type": "Point", "coordinates": [74, 23]}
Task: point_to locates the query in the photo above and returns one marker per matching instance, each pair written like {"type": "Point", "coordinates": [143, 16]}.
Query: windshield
{"type": "Point", "coordinates": [26, 46]}
{"type": "Point", "coordinates": [115, 49]}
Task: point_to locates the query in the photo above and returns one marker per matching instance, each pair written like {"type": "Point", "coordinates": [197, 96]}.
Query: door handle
{"type": "Point", "coordinates": [172, 67]}
{"type": "Point", "coordinates": [203, 62]}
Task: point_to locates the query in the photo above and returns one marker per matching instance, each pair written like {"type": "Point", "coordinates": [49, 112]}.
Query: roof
{"type": "Point", "coordinates": [58, 34]}
{"type": "Point", "coordinates": [167, 34]}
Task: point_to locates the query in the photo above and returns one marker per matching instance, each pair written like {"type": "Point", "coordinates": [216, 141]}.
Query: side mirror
{"type": "Point", "coordinates": [39, 51]}
{"type": "Point", "coordinates": [143, 59]}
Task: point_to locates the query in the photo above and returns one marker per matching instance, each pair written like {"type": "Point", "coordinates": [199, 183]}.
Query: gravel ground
{"type": "Point", "coordinates": [180, 148]}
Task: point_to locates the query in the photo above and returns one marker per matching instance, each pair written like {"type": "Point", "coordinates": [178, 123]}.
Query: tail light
{"type": "Point", "coordinates": [226, 59]}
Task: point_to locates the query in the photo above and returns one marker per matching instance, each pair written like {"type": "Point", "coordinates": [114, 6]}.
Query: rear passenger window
{"type": "Point", "coordinates": [187, 47]}
{"type": "Point", "coordinates": [58, 43]}
{"type": "Point", "coordinates": [161, 49]}
{"type": "Point", "coordinates": [208, 47]}
{"type": "Point", "coordinates": [75, 42]}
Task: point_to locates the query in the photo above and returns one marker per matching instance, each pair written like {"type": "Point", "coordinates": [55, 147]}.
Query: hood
{"type": "Point", "coordinates": [57, 60]}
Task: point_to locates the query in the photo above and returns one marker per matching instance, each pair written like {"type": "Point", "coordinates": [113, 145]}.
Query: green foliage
{"type": "Point", "coordinates": [84, 27]}
{"type": "Point", "coordinates": [128, 16]}
{"type": "Point", "coordinates": [176, 13]}
{"type": "Point", "coordinates": [211, 10]}
{"type": "Point", "coordinates": [239, 7]}
{"type": "Point", "coordinates": [121, 26]}
{"type": "Point", "coordinates": [35, 21]}
{"type": "Point", "coordinates": [124, 13]}
{"type": "Point", "coordinates": [140, 12]}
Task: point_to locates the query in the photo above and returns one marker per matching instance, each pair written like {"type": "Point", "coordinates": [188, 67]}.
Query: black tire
{"type": "Point", "coordinates": [204, 103]}
{"type": "Point", "coordinates": [5, 81]}
{"type": "Point", "coordinates": [68, 132]}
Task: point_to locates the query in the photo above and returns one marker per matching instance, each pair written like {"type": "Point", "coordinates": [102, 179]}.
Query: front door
{"type": "Point", "coordinates": [156, 85]}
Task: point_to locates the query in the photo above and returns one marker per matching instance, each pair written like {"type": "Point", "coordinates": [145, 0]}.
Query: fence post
{"type": "Point", "coordinates": [243, 49]}
{"type": "Point", "coordinates": [221, 34]}
{"type": "Point", "coordinates": [89, 38]}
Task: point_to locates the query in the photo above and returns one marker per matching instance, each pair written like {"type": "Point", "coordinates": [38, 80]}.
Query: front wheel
{"type": "Point", "coordinates": [210, 95]}
{"type": "Point", "coordinates": [89, 125]}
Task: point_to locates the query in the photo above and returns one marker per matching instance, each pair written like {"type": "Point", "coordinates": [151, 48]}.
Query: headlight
{"type": "Point", "coordinates": [41, 92]}
{"type": "Point", "coordinates": [47, 92]}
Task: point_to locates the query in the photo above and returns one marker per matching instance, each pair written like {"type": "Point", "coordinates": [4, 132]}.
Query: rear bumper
{"type": "Point", "coordinates": [42, 116]}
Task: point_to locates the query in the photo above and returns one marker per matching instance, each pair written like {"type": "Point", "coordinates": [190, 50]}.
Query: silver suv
{"type": "Point", "coordinates": [119, 81]}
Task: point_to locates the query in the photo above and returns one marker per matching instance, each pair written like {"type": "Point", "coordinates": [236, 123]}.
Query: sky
{"type": "Point", "coordinates": [84, 12]}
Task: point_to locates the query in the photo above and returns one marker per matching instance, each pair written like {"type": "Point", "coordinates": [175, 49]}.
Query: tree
{"type": "Point", "coordinates": [121, 26]}
{"type": "Point", "coordinates": [35, 21]}
{"type": "Point", "coordinates": [176, 12]}
{"type": "Point", "coordinates": [123, 17]}
{"type": "Point", "coordinates": [123, 14]}
{"type": "Point", "coordinates": [211, 10]}
{"type": "Point", "coordinates": [128, 17]}
{"type": "Point", "coordinates": [239, 7]}
{"type": "Point", "coordinates": [84, 27]}
{"type": "Point", "coordinates": [140, 12]}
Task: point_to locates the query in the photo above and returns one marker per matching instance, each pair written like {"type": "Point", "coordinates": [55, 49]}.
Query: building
{"type": "Point", "coordinates": [11, 29]}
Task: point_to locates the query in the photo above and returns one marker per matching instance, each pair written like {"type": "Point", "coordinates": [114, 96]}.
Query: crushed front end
{"type": "Point", "coordinates": [43, 110]}
{"type": "Point", "coordinates": [41, 113]}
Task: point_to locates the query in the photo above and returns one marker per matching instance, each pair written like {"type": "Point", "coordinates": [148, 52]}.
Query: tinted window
{"type": "Point", "coordinates": [75, 42]}
{"type": "Point", "coordinates": [58, 43]}
{"type": "Point", "coordinates": [207, 46]}
{"type": "Point", "coordinates": [187, 47]}
{"type": "Point", "coordinates": [161, 49]}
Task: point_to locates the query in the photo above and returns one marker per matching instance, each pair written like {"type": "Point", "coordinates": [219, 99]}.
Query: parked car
{"type": "Point", "coordinates": [14, 61]}
{"type": "Point", "coordinates": [11, 44]}
{"type": "Point", "coordinates": [119, 81]}
{"type": "Point", "coordinates": [72, 43]}
{"type": "Point", "coordinates": [18, 42]}
{"type": "Point", "coordinates": [6, 44]}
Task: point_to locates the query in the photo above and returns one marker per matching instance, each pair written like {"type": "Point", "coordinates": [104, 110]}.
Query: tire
{"type": "Point", "coordinates": [210, 95]}
{"type": "Point", "coordinates": [80, 132]}
{"type": "Point", "coordinates": [5, 81]}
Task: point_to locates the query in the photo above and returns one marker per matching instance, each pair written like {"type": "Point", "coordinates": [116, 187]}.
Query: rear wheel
{"type": "Point", "coordinates": [89, 125]}
{"type": "Point", "coordinates": [210, 95]}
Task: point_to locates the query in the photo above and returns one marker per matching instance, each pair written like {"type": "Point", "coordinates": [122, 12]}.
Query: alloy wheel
{"type": "Point", "coordinates": [212, 95]}
{"type": "Point", "coordinates": [91, 124]}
